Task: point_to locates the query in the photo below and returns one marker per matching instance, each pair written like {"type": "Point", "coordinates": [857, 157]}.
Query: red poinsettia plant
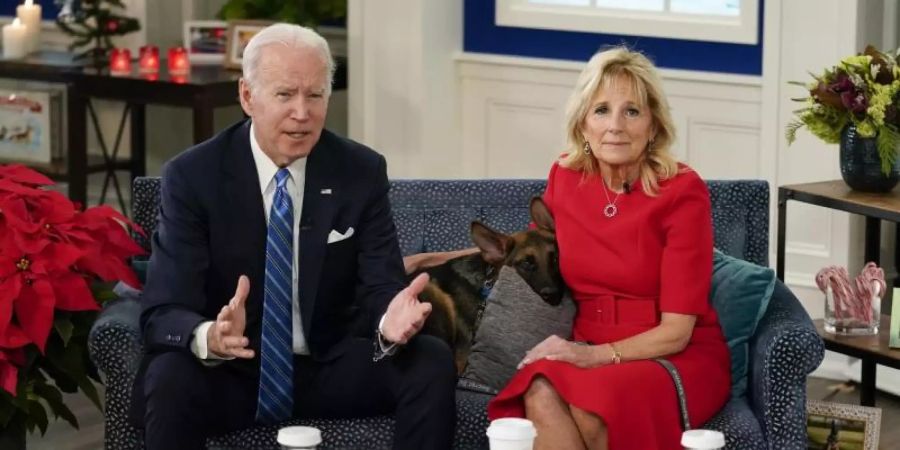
{"type": "Point", "coordinates": [52, 258]}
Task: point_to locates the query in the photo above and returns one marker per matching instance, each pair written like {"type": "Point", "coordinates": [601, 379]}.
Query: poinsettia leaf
{"type": "Point", "coordinates": [9, 290]}
{"type": "Point", "coordinates": [23, 174]}
{"type": "Point", "coordinates": [53, 366]}
{"type": "Point", "coordinates": [9, 376]}
{"type": "Point", "coordinates": [7, 408]}
{"type": "Point", "coordinates": [90, 391]}
{"type": "Point", "coordinates": [38, 415]}
{"type": "Point", "coordinates": [34, 311]}
{"type": "Point", "coordinates": [54, 399]}
{"type": "Point", "coordinates": [74, 363]}
{"type": "Point", "coordinates": [64, 327]}
{"type": "Point", "coordinates": [103, 292]}
{"type": "Point", "coordinates": [72, 293]}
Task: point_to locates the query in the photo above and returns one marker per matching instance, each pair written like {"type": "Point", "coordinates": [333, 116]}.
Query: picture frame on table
{"type": "Point", "coordinates": [836, 425]}
{"type": "Point", "coordinates": [238, 36]}
{"type": "Point", "coordinates": [206, 40]}
{"type": "Point", "coordinates": [30, 125]}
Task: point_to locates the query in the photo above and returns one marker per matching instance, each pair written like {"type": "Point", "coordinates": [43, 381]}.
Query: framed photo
{"type": "Point", "coordinates": [30, 125]}
{"type": "Point", "coordinates": [238, 36]}
{"type": "Point", "coordinates": [205, 40]}
{"type": "Point", "coordinates": [837, 426]}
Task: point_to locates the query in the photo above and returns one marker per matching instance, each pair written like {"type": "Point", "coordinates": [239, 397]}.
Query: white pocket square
{"type": "Point", "coordinates": [334, 236]}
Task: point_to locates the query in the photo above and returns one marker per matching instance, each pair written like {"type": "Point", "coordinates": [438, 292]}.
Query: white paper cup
{"type": "Point", "coordinates": [511, 434]}
{"type": "Point", "coordinates": [702, 439]}
{"type": "Point", "coordinates": [299, 437]}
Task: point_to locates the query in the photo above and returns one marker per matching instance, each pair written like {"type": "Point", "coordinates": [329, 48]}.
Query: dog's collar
{"type": "Point", "coordinates": [486, 288]}
{"type": "Point", "coordinates": [489, 281]}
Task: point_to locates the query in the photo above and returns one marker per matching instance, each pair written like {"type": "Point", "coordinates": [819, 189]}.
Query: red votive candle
{"type": "Point", "coordinates": [179, 64]}
{"type": "Point", "coordinates": [149, 59]}
{"type": "Point", "coordinates": [120, 62]}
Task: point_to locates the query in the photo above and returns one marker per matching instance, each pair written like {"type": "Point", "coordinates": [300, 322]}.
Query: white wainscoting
{"type": "Point", "coordinates": [512, 117]}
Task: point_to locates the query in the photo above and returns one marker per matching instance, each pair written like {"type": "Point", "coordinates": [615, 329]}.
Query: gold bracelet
{"type": "Point", "coordinates": [616, 355]}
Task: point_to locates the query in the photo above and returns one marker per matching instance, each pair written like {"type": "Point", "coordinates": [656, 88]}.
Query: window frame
{"type": "Point", "coordinates": [740, 29]}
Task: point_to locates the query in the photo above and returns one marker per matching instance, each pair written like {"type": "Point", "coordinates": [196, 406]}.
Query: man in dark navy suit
{"type": "Point", "coordinates": [276, 287]}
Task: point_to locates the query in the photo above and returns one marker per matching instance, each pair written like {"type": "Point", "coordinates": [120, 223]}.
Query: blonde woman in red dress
{"type": "Point", "coordinates": [635, 247]}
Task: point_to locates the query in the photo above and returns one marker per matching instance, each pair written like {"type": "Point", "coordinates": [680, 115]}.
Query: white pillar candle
{"type": "Point", "coordinates": [30, 15]}
{"type": "Point", "coordinates": [15, 43]}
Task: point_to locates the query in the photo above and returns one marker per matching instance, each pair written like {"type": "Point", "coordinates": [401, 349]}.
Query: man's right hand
{"type": "Point", "coordinates": [226, 337]}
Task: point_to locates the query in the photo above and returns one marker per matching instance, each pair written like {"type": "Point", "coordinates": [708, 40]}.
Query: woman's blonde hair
{"type": "Point", "coordinates": [604, 68]}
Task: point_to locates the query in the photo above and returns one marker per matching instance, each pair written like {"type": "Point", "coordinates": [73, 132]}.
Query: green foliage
{"type": "Point", "coordinates": [308, 13]}
{"type": "Point", "coordinates": [887, 141]}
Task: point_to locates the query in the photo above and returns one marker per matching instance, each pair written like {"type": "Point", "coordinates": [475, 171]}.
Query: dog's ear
{"type": "Point", "coordinates": [493, 244]}
{"type": "Point", "coordinates": [540, 214]}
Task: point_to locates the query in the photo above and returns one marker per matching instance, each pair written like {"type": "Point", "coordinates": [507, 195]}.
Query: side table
{"type": "Point", "coordinates": [871, 350]}
{"type": "Point", "coordinates": [837, 195]}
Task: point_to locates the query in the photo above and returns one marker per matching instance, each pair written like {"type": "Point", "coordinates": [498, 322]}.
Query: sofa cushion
{"type": "Point", "coordinates": [740, 293]}
{"type": "Point", "coordinates": [515, 320]}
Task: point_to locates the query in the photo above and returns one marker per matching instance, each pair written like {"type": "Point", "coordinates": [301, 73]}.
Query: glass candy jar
{"type": "Point", "coordinates": [852, 315]}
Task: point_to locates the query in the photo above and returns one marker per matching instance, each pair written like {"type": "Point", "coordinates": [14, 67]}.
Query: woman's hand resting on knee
{"type": "Point", "coordinates": [555, 348]}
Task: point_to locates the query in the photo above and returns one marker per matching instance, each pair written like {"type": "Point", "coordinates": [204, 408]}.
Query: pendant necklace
{"type": "Point", "coordinates": [610, 209]}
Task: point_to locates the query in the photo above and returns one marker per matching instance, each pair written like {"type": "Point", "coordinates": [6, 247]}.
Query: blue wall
{"type": "Point", "coordinates": [483, 36]}
{"type": "Point", "coordinates": [48, 9]}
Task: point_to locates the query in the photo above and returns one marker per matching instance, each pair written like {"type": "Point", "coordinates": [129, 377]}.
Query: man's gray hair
{"type": "Point", "coordinates": [294, 36]}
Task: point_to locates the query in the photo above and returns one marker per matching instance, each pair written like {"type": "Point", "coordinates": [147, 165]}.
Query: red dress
{"type": "Point", "coordinates": [653, 256]}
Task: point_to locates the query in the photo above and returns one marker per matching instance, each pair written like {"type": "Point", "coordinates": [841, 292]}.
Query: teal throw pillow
{"type": "Point", "coordinates": [740, 293]}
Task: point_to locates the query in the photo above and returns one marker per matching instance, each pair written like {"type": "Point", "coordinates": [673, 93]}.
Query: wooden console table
{"type": "Point", "coordinates": [871, 350]}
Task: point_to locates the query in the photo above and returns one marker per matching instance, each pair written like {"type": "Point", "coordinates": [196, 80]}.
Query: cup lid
{"type": "Point", "coordinates": [299, 436]}
{"type": "Point", "coordinates": [703, 439]}
{"type": "Point", "coordinates": [511, 428]}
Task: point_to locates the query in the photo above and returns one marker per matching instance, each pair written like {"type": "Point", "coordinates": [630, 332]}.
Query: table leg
{"type": "Point", "coordinates": [203, 123]}
{"type": "Point", "coordinates": [76, 156]}
{"type": "Point", "coordinates": [780, 240]}
{"type": "Point", "coordinates": [138, 141]}
{"type": "Point", "coordinates": [873, 240]}
{"type": "Point", "coordinates": [867, 388]}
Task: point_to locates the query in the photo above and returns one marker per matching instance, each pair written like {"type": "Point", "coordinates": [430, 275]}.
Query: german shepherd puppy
{"type": "Point", "coordinates": [458, 288]}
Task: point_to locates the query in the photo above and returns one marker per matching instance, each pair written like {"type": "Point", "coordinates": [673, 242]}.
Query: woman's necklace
{"type": "Point", "coordinates": [610, 209]}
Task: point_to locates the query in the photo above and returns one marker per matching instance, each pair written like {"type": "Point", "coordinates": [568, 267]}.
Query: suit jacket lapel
{"type": "Point", "coordinates": [315, 223]}
{"type": "Point", "coordinates": [247, 226]}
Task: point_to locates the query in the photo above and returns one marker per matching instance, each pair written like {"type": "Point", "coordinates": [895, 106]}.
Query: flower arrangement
{"type": "Point", "coordinates": [861, 90]}
{"type": "Point", "coordinates": [51, 256]}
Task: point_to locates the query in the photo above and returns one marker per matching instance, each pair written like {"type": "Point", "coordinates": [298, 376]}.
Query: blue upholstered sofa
{"type": "Point", "coordinates": [434, 215]}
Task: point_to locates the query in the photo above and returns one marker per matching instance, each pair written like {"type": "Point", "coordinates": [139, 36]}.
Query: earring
{"type": "Point", "coordinates": [650, 144]}
{"type": "Point", "coordinates": [587, 148]}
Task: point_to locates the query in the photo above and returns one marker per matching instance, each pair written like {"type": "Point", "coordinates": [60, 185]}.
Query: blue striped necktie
{"type": "Point", "coordinates": [276, 371]}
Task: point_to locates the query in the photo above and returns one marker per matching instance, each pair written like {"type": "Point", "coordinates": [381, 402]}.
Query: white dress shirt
{"type": "Point", "coordinates": [266, 169]}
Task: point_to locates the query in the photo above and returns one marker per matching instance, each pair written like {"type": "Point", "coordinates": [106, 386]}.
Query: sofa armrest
{"type": "Point", "coordinates": [115, 347]}
{"type": "Point", "coordinates": [783, 351]}
{"type": "Point", "coordinates": [115, 338]}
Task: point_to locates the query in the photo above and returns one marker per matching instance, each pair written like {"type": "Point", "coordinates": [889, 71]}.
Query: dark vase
{"type": "Point", "coordinates": [861, 166]}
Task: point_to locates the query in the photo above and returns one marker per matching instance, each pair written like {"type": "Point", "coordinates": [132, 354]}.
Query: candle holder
{"type": "Point", "coordinates": [179, 64]}
{"type": "Point", "coordinates": [120, 62]}
{"type": "Point", "coordinates": [148, 62]}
